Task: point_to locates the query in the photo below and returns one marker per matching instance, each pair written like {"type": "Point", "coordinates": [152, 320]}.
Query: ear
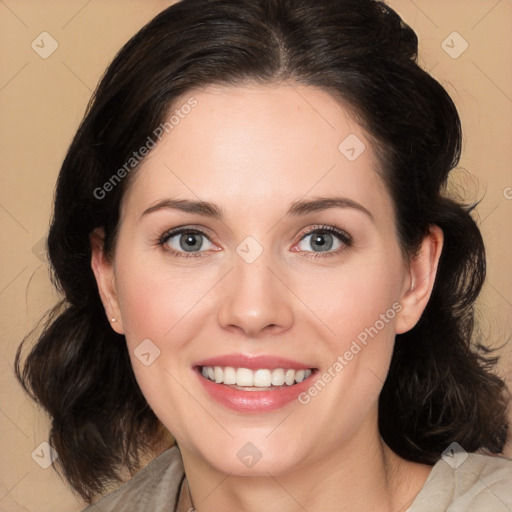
{"type": "Point", "coordinates": [105, 279]}
{"type": "Point", "coordinates": [419, 283]}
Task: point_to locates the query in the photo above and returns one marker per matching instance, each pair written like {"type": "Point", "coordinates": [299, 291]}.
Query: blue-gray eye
{"type": "Point", "coordinates": [320, 241]}
{"type": "Point", "coordinates": [188, 241]}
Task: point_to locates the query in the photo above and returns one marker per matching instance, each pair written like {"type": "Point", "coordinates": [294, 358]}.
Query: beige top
{"type": "Point", "coordinates": [469, 482]}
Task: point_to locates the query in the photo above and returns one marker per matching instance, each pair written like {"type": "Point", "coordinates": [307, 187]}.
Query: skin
{"type": "Point", "coordinates": [253, 150]}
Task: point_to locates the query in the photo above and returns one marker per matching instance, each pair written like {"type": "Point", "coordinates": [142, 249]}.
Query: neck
{"type": "Point", "coordinates": [362, 474]}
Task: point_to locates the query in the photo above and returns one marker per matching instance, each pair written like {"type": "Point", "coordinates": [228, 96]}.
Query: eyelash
{"type": "Point", "coordinates": [343, 237]}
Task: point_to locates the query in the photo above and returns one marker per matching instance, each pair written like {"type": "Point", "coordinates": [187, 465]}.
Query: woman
{"type": "Point", "coordinates": [258, 255]}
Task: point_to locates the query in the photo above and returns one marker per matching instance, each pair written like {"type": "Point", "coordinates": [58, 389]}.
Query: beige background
{"type": "Point", "coordinates": [43, 100]}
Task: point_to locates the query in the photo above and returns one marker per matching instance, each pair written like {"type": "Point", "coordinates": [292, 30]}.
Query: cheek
{"type": "Point", "coordinates": [359, 309]}
{"type": "Point", "coordinates": [153, 301]}
{"type": "Point", "coordinates": [358, 304]}
{"type": "Point", "coordinates": [350, 300]}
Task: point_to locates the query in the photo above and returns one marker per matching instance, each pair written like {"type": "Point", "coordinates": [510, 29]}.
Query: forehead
{"type": "Point", "coordinates": [259, 146]}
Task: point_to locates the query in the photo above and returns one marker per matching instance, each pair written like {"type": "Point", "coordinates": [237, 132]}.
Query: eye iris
{"type": "Point", "coordinates": [322, 241]}
{"type": "Point", "coordinates": [190, 242]}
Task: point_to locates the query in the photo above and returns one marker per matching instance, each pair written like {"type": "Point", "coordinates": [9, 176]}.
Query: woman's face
{"type": "Point", "coordinates": [258, 234]}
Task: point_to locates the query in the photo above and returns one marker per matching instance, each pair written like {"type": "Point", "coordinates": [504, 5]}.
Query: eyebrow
{"type": "Point", "coordinates": [296, 209]}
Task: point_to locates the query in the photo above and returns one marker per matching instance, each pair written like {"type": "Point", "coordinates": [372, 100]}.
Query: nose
{"type": "Point", "coordinates": [256, 301]}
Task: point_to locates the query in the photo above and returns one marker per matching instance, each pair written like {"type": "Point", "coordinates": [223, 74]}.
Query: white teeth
{"type": "Point", "coordinates": [278, 377]}
{"type": "Point", "coordinates": [244, 377]}
{"type": "Point", "coordinates": [262, 378]}
{"type": "Point", "coordinates": [229, 375]}
{"type": "Point", "coordinates": [299, 375]}
{"type": "Point", "coordinates": [289, 377]}
{"type": "Point", "coordinates": [217, 372]}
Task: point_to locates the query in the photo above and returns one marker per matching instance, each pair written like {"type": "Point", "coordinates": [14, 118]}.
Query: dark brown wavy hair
{"type": "Point", "coordinates": [440, 386]}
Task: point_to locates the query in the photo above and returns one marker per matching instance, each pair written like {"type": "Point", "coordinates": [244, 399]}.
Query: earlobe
{"type": "Point", "coordinates": [104, 273]}
{"type": "Point", "coordinates": [420, 282]}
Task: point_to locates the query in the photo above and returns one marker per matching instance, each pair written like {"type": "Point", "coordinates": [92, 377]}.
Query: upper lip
{"type": "Point", "coordinates": [254, 362]}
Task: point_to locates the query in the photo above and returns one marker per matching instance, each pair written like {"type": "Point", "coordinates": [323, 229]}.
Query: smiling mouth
{"type": "Point", "coordinates": [262, 379]}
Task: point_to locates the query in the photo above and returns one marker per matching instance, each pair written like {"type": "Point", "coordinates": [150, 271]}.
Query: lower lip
{"type": "Point", "coordinates": [253, 401]}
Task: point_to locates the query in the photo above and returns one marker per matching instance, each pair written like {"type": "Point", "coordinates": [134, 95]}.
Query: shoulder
{"type": "Point", "coordinates": [155, 487]}
{"type": "Point", "coordinates": [467, 481]}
